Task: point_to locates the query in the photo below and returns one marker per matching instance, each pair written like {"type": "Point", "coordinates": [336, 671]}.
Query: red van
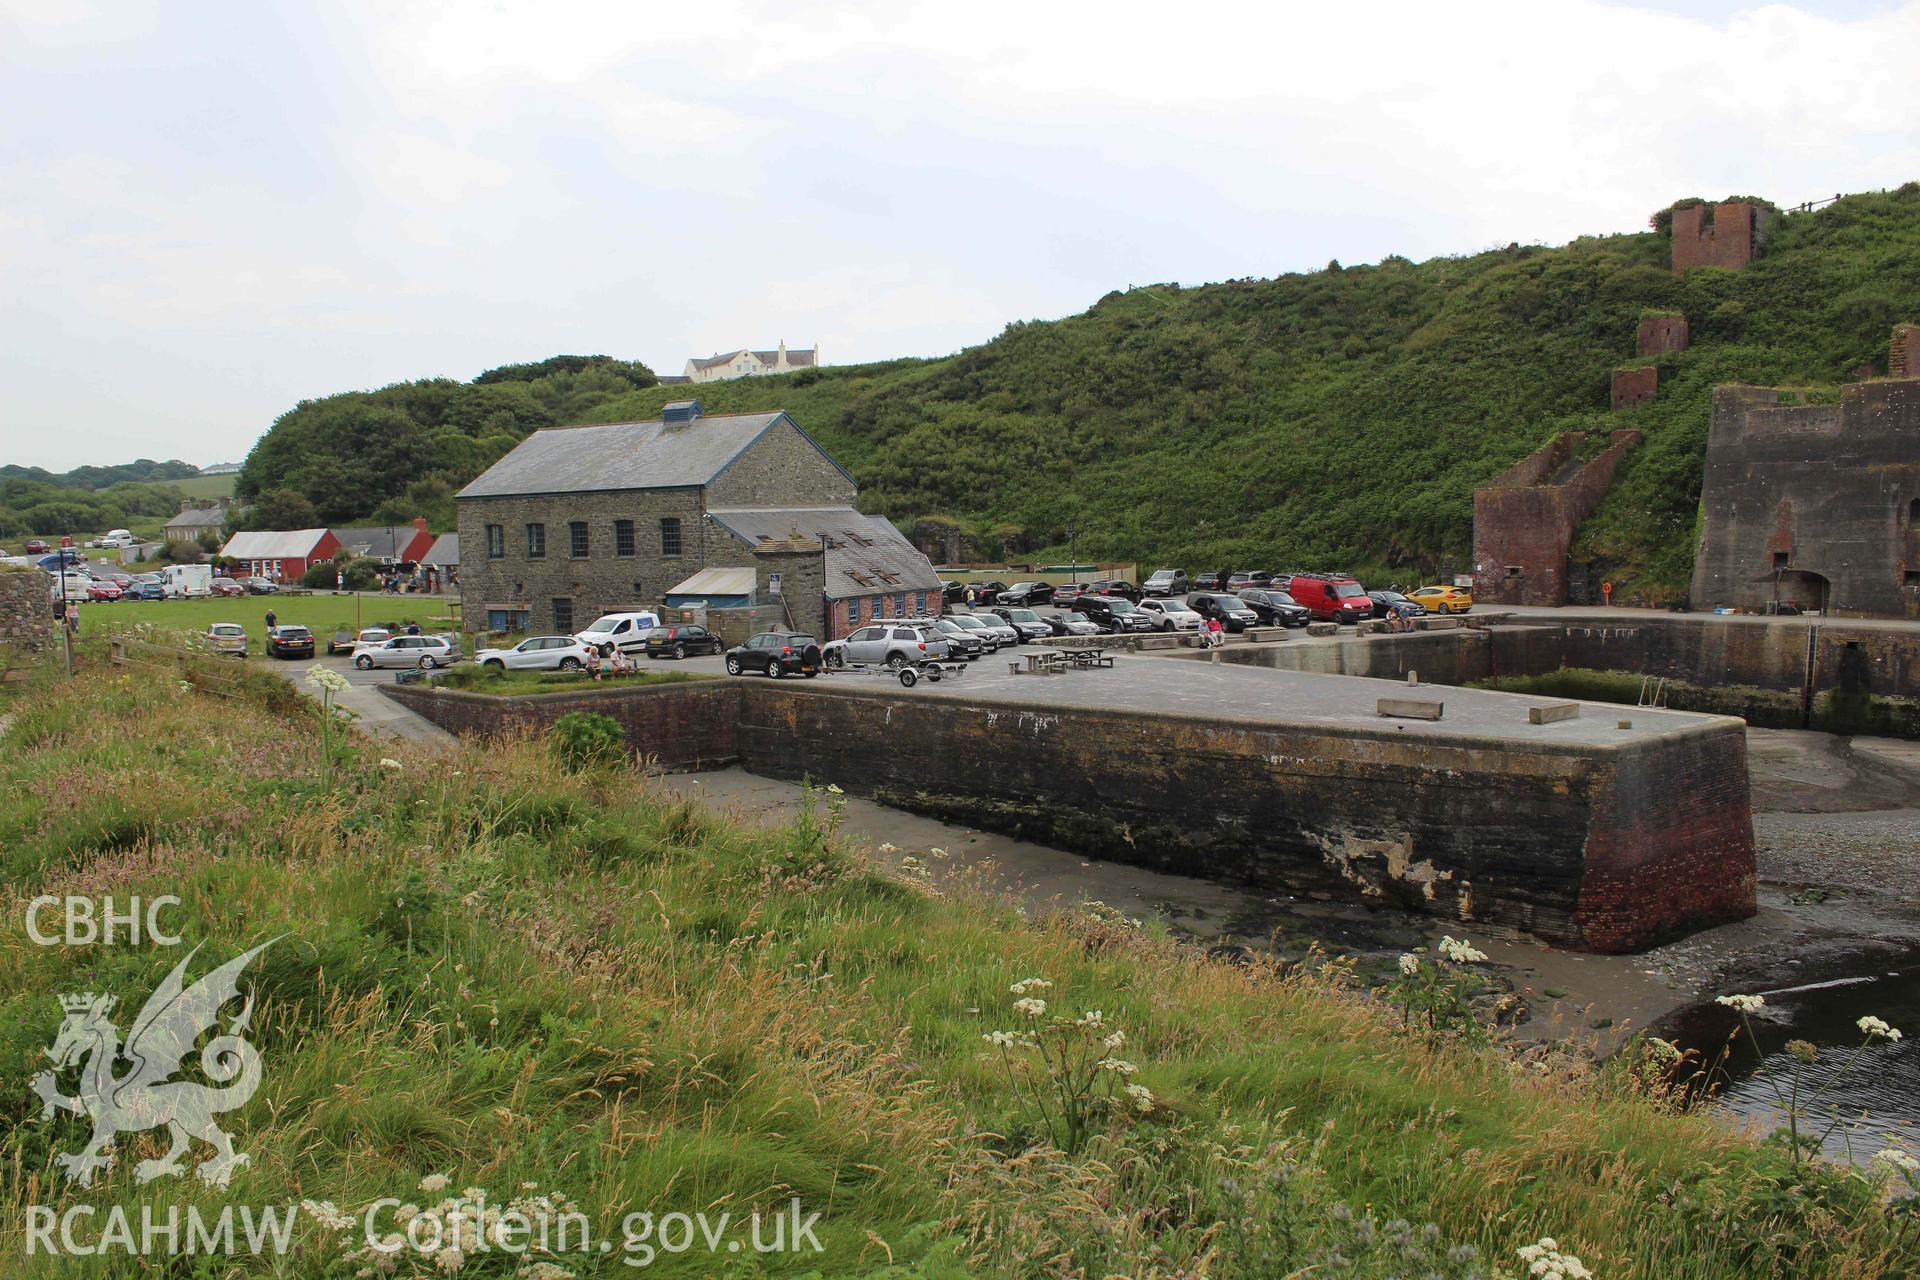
{"type": "Point", "coordinates": [1331, 597]}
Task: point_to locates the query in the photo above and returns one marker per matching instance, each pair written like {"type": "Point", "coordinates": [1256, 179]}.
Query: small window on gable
{"type": "Point", "coordinates": [1780, 559]}
{"type": "Point", "coordinates": [1513, 571]}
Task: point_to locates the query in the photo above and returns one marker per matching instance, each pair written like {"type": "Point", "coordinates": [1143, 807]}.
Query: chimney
{"type": "Point", "coordinates": [190, 504]}
{"type": "Point", "coordinates": [680, 412]}
{"type": "Point", "coordinates": [420, 523]}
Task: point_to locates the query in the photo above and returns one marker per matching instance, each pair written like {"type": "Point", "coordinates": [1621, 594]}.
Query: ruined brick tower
{"type": "Point", "coordinates": [1524, 522]}
{"type": "Point", "coordinates": [1727, 235]}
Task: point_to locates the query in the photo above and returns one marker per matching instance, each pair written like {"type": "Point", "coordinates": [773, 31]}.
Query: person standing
{"type": "Point", "coordinates": [273, 619]}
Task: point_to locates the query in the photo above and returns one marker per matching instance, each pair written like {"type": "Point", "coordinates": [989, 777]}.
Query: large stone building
{"type": "Point", "coordinates": [1813, 504]}
{"type": "Point", "coordinates": [198, 517]}
{"type": "Point", "coordinates": [579, 521]}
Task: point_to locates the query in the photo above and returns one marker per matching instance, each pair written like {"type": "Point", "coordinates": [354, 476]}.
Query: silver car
{"type": "Point", "coordinates": [1003, 631]}
{"type": "Point", "coordinates": [425, 652]}
{"type": "Point", "coordinates": [537, 653]}
{"type": "Point", "coordinates": [886, 644]}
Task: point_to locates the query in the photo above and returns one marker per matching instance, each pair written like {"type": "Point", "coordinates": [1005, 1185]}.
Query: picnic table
{"type": "Point", "coordinates": [1053, 661]}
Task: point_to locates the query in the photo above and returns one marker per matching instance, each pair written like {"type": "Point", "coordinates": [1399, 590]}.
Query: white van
{"type": "Point", "coordinates": [117, 538]}
{"type": "Point", "coordinates": [626, 632]}
{"type": "Point", "coordinates": [182, 581]}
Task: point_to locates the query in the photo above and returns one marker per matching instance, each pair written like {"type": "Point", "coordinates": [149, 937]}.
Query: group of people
{"type": "Point", "coordinates": [615, 664]}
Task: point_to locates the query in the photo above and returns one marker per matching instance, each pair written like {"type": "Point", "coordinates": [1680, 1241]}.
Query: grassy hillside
{"type": "Point", "coordinates": [567, 987]}
{"type": "Point", "coordinates": [1341, 416]}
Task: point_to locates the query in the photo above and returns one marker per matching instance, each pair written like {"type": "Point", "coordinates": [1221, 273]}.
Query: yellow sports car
{"type": "Point", "coordinates": [1443, 599]}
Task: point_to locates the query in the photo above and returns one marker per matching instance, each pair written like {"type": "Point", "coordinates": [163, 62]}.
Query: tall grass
{"type": "Point", "coordinates": [510, 973]}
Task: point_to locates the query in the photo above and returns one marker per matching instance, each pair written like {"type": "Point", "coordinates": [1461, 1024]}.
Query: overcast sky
{"type": "Point", "coordinates": [211, 211]}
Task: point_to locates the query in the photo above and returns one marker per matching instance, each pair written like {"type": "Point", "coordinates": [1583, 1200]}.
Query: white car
{"type": "Point", "coordinates": [538, 653]}
{"type": "Point", "coordinates": [626, 632]}
{"type": "Point", "coordinates": [1170, 615]}
{"type": "Point", "coordinates": [425, 652]}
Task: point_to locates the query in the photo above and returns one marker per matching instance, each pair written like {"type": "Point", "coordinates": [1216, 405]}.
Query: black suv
{"type": "Point", "coordinates": [1112, 615]}
{"type": "Point", "coordinates": [1231, 610]}
{"type": "Point", "coordinates": [1276, 608]}
{"type": "Point", "coordinates": [778, 653]}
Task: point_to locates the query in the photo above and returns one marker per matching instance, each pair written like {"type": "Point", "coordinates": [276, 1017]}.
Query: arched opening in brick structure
{"type": "Point", "coordinates": [1801, 587]}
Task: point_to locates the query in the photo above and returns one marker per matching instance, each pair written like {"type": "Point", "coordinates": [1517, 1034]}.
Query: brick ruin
{"type": "Point", "coordinates": [1727, 235]}
{"type": "Point", "coordinates": [1524, 521]}
{"type": "Point", "coordinates": [1903, 353]}
{"type": "Point", "coordinates": [1634, 387]}
{"type": "Point", "coordinates": [1816, 504]}
{"type": "Point", "coordinates": [1662, 334]}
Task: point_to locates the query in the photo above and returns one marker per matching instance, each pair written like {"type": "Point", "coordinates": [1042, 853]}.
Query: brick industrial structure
{"type": "Point", "coordinates": [1903, 354]}
{"type": "Point", "coordinates": [1524, 522]}
{"type": "Point", "coordinates": [1816, 504]}
{"type": "Point", "coordinates": [1727, 235]}
{"type": "Point", "coordinates": [580, 521]}
{"type": "Point", "coordinates": [1634, 387]}
{"type": "Point", "coordinates": [1662, 334]}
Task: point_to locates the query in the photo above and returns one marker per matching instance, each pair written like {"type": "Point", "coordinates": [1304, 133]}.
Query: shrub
{"type": "Point", "coordinates": [586, 739]}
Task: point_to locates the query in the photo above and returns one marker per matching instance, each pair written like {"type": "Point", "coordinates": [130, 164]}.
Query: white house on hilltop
{"type": "Point", "coordinates": [749, 364]}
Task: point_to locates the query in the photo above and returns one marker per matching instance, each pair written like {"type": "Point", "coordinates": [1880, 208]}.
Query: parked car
{"type": "Point", "coordinates": [626, 631]}
{"type": "Point", "coordinates": [983, 592]}
{"type": "Point", "coordinates": [348, 642]}
{"type": "Point", "coordinates": [102, 589]}
{"type": "Point", "coordinates": [989, 637]}
{"type": "Point", "coordinates": [1207, 581]}
{"type": "Point", "coordinates": [1171, 615]}
{"type": "Point", "coordinates": [776, 653]}
{"type": "Point", "coordinates": [1231, 610]}
{"type": "Point", "coordinates": [257, 586]}
{"type": "Point", "coordinates": [1276, 608]}
{"type": "Point", "coordinates": [1443, 599]}
{"type": "Point", "coordinates": [1025, 621]}
{"type": "Point", "coordinates": [149, 589]}
{"type": "Point", "coordinates": [226, 587]}
{"type": "Point", "coordinates": [1070, 624]}
{"type": "Point", "coordinates": [228, 637]}
{"type": "Point", "coordinates": [72, 586]}
{"type": "Point", "coordinates": [116, 538]}
{"type": "Point", "coordinates": [1384, 601]}
{"type": "Point", "coordinates": [1026, 594]}
{"type": "Point", "coordinates": [681, 640]}
{"type": "Point", "coordinates": [118, 579]}
{"type": "Point", "coordinates": [961, 643]}
{"type": "Point", "coordinates": [1331, 597]}
{"type": "Point", "coordinates": [1118, 588]}
{"type": "Point", "coordinates": [538, 653]}
{"type": "Point", "coordinates": [1251, 578]}
{"type": "Point", "coordinates": [36, 546]}
{"type": "Point", "coordinates": [289, 641]}
{"type": "Point", "coordinates": [1165, 582]}
{"type": "Point", "coordinates": [1112, 614]}
{"type": "Point", "coordinates": [1067, 592]}
{"type": "Point", "coordinates": [1002, 630]}
{"type": "Point", "coordinates": [425, 652]}
{"type": "Point", "coordinates": [888, 644]}
{"type": "Point", "coordinates": [953, 592]}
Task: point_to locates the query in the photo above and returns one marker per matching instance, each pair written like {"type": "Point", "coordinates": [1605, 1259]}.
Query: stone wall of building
{"type": "Point", "coordinates": [783, 468]}
{"type": "Point", "coordinates": [1814, 503]}
{"type": "Point", "coordinates": [1525, 521]}
{"type": "Point", "coordinates": [26, 612]}
{"type": "Point", "coordinates": [1727, 235]}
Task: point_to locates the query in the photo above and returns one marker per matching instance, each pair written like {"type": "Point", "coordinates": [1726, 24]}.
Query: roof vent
{"type": "Point", "coordinates": [680, 412]}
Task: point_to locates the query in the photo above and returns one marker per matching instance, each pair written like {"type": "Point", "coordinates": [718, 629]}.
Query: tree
{"type": "Point", "coordinates": [284, 509]}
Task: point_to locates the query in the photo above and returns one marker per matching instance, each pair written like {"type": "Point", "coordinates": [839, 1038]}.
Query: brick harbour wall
{"type": "Point", "coordinates": [676, 727]}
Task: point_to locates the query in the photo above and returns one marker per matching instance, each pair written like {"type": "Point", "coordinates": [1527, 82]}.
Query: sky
{"type": "Point", "coordinates": [209, 212]}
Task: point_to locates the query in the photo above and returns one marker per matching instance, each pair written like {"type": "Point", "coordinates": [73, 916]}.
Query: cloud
{"type": "Point", "coordinates": [235, 210]}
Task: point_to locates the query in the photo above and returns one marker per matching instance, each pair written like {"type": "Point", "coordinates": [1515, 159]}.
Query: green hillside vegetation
{"type": "Point", "coordinates": [38, 508]}
{"type": "Point", "coordinates": [139, 471]}
{"type": "Point", "coordinates": [1339, 417]}
{"type": "Point", "coordinates": [557, 981]}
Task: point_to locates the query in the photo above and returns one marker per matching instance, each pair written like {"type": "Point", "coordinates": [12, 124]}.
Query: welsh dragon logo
{"type": "Point", "coordinates": [142, 1097]}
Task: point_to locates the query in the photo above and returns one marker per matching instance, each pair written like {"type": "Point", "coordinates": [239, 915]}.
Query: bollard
{"type": "Point", "coordinates": [1213, 656]}
{"type": "Point", "coordinates": [1413, 677]}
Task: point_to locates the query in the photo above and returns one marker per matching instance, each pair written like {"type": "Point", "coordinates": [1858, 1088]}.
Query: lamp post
{"type": "Point", "coordinates": [1073, 552]}
{"type": "Point", "coordinates": [66, 628]}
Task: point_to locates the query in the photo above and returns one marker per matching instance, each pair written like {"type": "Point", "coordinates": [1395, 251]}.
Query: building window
{"type": "Point", "coordinates": [496, 541]}
{"type": "Point", "coordinates": [853, 612]}
{"type": "Point", "coordinates": [563, 614]}
{"type": "Point", "coordinates": [670, 536]}
{"type": "Point", "coordinates": [536, 542]}
{"type": "Point", "coordinates": [1913, 512]}
{"type": "Point", "coordinates": [506, 620]}
{"type": "Point", "coordinates": [919, 602]}
{"type": "Point", "coordinates": [1513, 571]}
{"type": "Point", "coordinates": [577, 546]}
{"type": "Point", "coordinates": [1780, 559]}
{"type": "Point", "coordinates": [623, 537]}
{"type": "Point", "coordinates": [900, 604]}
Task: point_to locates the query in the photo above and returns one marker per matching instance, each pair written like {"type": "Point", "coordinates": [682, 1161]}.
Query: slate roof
{"type": "Point", "coordinates": [279, 544]}
{"type": "Point", "coordinates": [796, 358]}
{"type": "Point", "coordinates": [866, 556]}
{"type": "Point", "coordinates": [445, 551]}
{"type": "Point", "coordinates": [377, 542]}
{"type": "Point", "coordinates": [624, 455]}
{"type": "Point", "coordinates": [198, 517]}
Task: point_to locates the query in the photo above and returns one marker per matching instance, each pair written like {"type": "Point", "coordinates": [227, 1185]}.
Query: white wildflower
{"type": "Point", "coordinates": [1896, 1159]}
{"type": "Point", "coordinates": [1142, 1097]}
{"type": "Point", "coordinates": [388, 762]}
{"type": "Point", "coordinates": [1115, 1040]}
{"type": "Point", "coordinates": [1031, 1007]}
{"type": "Point", "coordinates": [1002, 1039]}
{"type": "Point", "coordinates": [1460, 951]}
{"type": "Point", "coordinates": [833, 789]}
{"type": "Point", "coordinates": [1092, 1018]}
{"type": "Point", "coordinates": [888, 848]}
{"type": "Point", "coordinates": [1025, 985]}
{"type": "Point", "coordinates": [1119, 1066]}
{"type": "Point", "coordinates": [1872, 1026]}
{"type": "Point", "coordinates": [450, 1260]}
{"type": "Point", "coordinates": [937, 853]}
{"type": "Point", "coordinates": [1545, 1261]}
{"type": "Point", "coordinates": [1741, 1004]}
{"type": "Point", "coordinates": [1409, 964]}
{"type": "Point", "coordinates": [327, 1214]}
{"type": "Point", "coordinates": [326, 679]}
{"type": "Point", "coordinates": [434, 1182]}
